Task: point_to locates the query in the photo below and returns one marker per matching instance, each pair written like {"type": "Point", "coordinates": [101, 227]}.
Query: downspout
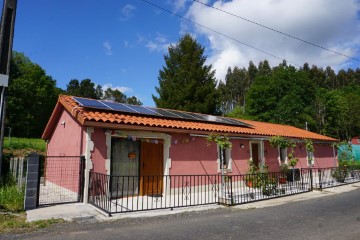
{"type": "Point", "coordinates": [81, 141]}
{"type": "Point", "coordinates": [335, 162]}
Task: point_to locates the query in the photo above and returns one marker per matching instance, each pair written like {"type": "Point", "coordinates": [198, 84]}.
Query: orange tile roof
{"type": "Point", "coordinates": [112, 119]}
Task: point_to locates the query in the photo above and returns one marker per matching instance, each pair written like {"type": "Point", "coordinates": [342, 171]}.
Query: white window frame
{"type": "Point", "coordinates": [279, 156]}
{"type": "Point", "coordinates": [261, 153]}
{"type": "Point", "coordinates": [307, 158]}
{"type": "Point", "coordinates": [228, 159]}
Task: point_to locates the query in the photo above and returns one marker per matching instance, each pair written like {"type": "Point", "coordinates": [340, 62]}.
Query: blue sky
{"type": "Point", "coordinates": [121, 44]}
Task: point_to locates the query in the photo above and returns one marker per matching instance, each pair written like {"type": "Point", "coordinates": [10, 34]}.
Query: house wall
{"type": "Point", "coordinates": [99, 153]}
{"type": "Point", "coordinates": [324, 156]}
{"type": "Point", "coordinates": [67, 140]}
{"type": "Point", "coordinates": [191, 155]}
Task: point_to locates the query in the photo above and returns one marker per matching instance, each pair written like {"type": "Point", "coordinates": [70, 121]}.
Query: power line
{"type": "Point", "coordinates": [278, 31]}
{"type": "Point", "coordinates": [219, 33]}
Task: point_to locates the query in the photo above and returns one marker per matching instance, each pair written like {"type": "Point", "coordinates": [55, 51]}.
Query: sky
{"type": "Point", "coordinates": [121, 44]}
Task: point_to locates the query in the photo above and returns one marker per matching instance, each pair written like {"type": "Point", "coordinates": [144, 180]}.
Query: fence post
{"type": "Point", "coordinates": [320, 180]}
{"type": "Point", "coordinates": [231, 191]}
{"type": "Point", "coordinates": [311, 180]}
{"type": "Point", "coordinates": [32, 182]}
{"type": "Point", "coordinates": [81, 179]}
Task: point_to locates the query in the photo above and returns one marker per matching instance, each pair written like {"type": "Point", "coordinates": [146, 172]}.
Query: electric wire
{"type": "Point", "coordinates": [277, 31]}
{"type": "Point", "coordinates": [219, 33]}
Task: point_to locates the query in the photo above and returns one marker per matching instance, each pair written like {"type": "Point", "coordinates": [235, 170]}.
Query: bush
{"type": "Point", "coordinates": [11, 197]}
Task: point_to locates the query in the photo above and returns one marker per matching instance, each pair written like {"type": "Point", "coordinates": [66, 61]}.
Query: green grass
{"type": "Point", "coordinates": [25, 143]}
{"type": "Point", "coordinates": [11, 198]}
{"type": "Point", "coordinates": [16, 223]}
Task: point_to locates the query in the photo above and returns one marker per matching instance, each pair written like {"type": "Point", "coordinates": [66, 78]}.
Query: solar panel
{"type": "Point", "coordinates": [156, 112]}
{"type": "Point", "coordinates": [183, 115]}
{"type": "Point", "coordinates": [120, 107]}
{"type": "Point", "coordinates": [164, 112]}
{"type": "Point", "coordinates": [91, 103]}
{"type": "Point", "coordinates": [145, 110]}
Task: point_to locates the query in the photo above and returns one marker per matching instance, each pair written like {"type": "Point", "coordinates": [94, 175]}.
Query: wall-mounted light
{"type": "Point", "coordinates": [242, 145]}
{"type": "Point", "coordinates": [63, 123]}
{"type": "Point", "coordinates": [131, 155]}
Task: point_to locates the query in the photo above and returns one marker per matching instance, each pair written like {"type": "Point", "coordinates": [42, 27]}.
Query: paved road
{"type": "Point", "coordinates": [332, 217]}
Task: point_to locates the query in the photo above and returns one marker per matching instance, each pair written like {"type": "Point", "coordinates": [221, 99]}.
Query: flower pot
{"type": "Point", "coordinates": [282, 180]}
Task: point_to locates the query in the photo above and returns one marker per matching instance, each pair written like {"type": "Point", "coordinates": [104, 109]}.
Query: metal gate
{"type": "Point", "coordinates": [61, 179]}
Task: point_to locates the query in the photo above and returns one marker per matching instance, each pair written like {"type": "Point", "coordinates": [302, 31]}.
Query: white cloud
{"type": "Point", "coordinates": [127, 12]}
{"type": "Point", "coordinates": [329, 23]}
{"type": "Point", "coordinates": [108, 48]}
{"type": "Point", "coordinates": [158, 44]}
{"type": "Point", "coordinates": [121, 89]}
{"type": "Point", "coordinates": [178, 5]}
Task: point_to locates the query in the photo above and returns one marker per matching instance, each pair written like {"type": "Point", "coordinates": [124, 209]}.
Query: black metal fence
{"type": "Point", "coordinates": [61, 179]}
{"type": "Point", "coordinates": [336, 176]}
{"type": "Point", "coordinates": [116, 194]}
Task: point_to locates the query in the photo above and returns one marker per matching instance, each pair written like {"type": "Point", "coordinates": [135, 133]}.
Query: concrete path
{"type": "Point", "coordinates": [85, 212]}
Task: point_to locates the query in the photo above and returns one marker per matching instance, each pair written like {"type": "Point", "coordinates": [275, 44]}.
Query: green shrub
{"type": "Point", "coordinates": [25, 143]}
{"type": "Point", "coordinates": [11, 197]}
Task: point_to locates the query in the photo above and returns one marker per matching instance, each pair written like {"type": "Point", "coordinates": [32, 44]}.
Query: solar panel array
{"type": "Point", "coordinates": [156, 112]}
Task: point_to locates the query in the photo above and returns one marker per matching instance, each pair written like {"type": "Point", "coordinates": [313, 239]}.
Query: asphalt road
{"type": "Point", "coordinates": [331, 217]}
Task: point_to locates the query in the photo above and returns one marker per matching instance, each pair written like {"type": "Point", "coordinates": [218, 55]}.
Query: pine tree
{"type": "Point", "coordinates": [185, 82]}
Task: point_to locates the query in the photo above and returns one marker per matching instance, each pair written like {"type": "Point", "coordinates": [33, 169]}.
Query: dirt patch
{"type": "Point", "coordinates": [22, 152]}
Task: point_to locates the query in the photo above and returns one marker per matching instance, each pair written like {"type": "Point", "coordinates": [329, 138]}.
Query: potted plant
{"type": "Point", "coordinates": [293, 160]}
{"type": "Point", "coordinates": [284, 169]}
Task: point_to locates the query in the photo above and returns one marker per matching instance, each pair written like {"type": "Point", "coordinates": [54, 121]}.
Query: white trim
{"type": "Point", "coordinates": [260, 152]}
{"type": "Point", "coordinates": [108, 152]}
{"type": "Point", "coordinates": [307, 159]}
{"type": "Point", "coordinates": [145, 134]}
{"type": "Point", "coordinates": [89, 147]}
{"type": "Point", "coordinates": [279, 156]}
{"type": "Point", "coordinates": [228, 160]}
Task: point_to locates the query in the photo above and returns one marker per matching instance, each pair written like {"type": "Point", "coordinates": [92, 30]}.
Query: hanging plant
{"type": "Point", "coordinates": [221, 140]}
{"type": "Point", "coordinates": [279, 141]}
{"type": "Point", "coordinates": [309, 145]}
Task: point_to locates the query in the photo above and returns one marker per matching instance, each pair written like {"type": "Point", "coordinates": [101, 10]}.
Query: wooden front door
{"type": "Point", "coordinates": [255, 153]}
{"type": "Point", "coordinates": [151, 168]}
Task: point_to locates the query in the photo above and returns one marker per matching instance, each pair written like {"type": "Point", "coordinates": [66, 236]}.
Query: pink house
{"type": "Point", "coordinates": [125, 140]}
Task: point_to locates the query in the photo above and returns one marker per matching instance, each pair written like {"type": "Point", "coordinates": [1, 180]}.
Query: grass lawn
{"type": "Point", "coordinates": [24, 143]}
{"type": "Point", "coordinates": [12, 215]}
{"type": "Point", "coordinates": [16, 223]}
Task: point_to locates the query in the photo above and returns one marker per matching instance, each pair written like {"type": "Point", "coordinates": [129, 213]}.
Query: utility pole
{"type": "Point", "coordinates": [6, 42]}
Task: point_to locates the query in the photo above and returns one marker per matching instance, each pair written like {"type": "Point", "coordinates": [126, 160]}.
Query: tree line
{"type": "Point", "coordinates": [324, 101]}
{"type": "Point", "coordinates": [318, 99]}
{"type": "Point", "coordinates": [32, 96]}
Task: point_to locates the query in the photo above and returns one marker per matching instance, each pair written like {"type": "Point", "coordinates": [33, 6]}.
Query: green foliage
{"type": "Point", "coordinates": [86, 88]}
{"type": "Point", "coordinates": [222, 141]}
{"type": "Point", "coordinates": [279, 141]}
{"type": "Point", "coordinates": [25, 143]}
{"type": "Point", "coordinates": [32, 96]}
{"type": "Point", "coordinates": [283, 95]}
{"type": "Point", "coordinates": [11, 197]}
{"type": "Point", "coordinates": [185, 82]}
{"type": "Point", "coordinates": [117, 96]}
{"type": "Point", "coordinates": [284, 168]}
{"type": "Point", "coordinates": [328, 102]}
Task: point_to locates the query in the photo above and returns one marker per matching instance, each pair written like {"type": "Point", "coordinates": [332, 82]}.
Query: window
{"type": "Point", "coordinates": [282, 155]}
{"type": "Point", "coordinates": [224, 159]}
{"type": "Point", "coordinates": [310, 158]}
